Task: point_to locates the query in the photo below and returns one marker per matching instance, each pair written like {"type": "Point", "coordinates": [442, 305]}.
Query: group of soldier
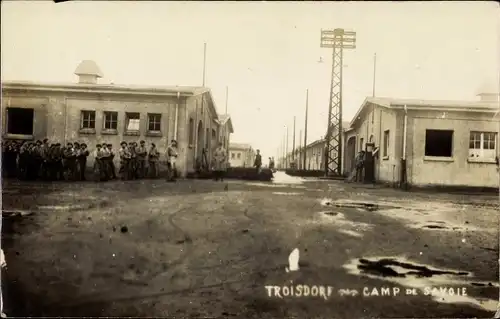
{"type": "Point", "coordinates": [52, 161]}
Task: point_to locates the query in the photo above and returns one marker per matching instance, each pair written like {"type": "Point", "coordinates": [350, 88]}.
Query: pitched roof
{"type": "Point", "coordinates": [226, 118]}
{"type": "Point", "coordinates": [111, 88]}
{"type": "Point", "coordinates": [428, 105]}
{"type": "Point", "coordinates": [345, 127]}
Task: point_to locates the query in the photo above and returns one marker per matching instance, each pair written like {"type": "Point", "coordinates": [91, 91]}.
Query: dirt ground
{"type": "Point", "coordinates": [207, 249]}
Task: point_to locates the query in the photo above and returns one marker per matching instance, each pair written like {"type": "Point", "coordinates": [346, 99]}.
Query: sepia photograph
{"type": "Point", "coordinates": [250, 159]}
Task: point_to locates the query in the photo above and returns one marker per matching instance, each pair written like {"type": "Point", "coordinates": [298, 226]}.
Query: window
{"type": "Point", "coordinates": [110, 120]}
{"type": "Point", "coordinates": [20, 121]}
{"type": "Point", "coordinates": [439, 143]}
{"type": "Point", "coordinates": [133, 121]}
{"type": "Point", "coordinates": [386, 144]}
{"type": "Point", "coordinates": [191, 131]}
{"type": "Point", "coordinates": [88, 120]}
{"type": "Point", "coordinates": [154, 122]}
{"type": "Point", "coordinates": [482, 145]}
{"type": "Point", "coordinates": [213, 134]}
{"type": "Point", "coordinates": [361, 142]}
{"type": "Point", "coordinates": [239, 155]}
{"type": "Point", "coordinates": [232, 155]}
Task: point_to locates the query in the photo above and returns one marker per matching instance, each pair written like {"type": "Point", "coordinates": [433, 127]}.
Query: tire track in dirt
{"type": "Point", "coordinates": [151, 282]}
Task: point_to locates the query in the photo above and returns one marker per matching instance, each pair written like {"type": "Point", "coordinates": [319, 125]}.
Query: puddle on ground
{"type": "Point", "coordinates": [368, 206]}
{"type": "Point", "coordinates": [415, 215]}
{"type": "Point", "coordinates": [344, 225]}
{"type": "Point", "coordinates": [283, 178]}
{"type": "Point", "coordinates": [16, 213]}
{"type": "Point", "coordinates": [351, 233]}
{"type": "Point", "coordinates": [286, 193]}
{"type": "Point", "coordinates": [409, 274]}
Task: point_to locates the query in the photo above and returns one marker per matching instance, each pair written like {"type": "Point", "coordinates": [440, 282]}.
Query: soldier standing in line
{"type": "Point", "coordinates": [124, 161]}
{"type": "Point", "coordinates": [105, 162]}
{"type": "Point", "coordinates": [76, 148]}
{"type": "Point", "coordinates": [98, 166]}
{"type": "Point", "coordinates": [82, 160]}
{"type": "Point", "coordinates": [21, 161]}
{"type": "Point", "coordinates": [153, 158]}
{"type": "Point", "coordinates": [45, 164]}
{"type": "Point", "coordinates": [49, 162]}
{"type": "Point", "coordinates": [133, 160]}
{"type": "Point", "coordinates": [58, 162]}
{"type": "Point", "coordinates": [37, 159]}
{"type": "Point", "coordinates": [111, 163]}
{"type": "Point", "coordinates": [69, 161]}
{"type": "Point", "coordinates": [142, 153]}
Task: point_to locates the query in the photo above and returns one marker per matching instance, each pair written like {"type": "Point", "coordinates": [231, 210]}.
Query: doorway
{"type": "Point", "coordinates": [20, 121]}
{"type": "Point", "coordinates": [199, 145]}
{"type": "Point", "coordinates": [350, 156]}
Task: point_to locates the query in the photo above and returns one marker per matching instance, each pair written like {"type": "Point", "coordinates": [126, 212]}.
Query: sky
{"type": "Point", "coordinates": [265, 53]}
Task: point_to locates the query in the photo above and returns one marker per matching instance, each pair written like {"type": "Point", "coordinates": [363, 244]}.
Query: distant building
{"type": "Point", "coordinates": [314, 154]}
{"type": "Point", "coordinates": [450, 143]}
{"type": "Point", "coordinates": [241, 155]}
{"type": "Point", "coordinates": [93, 113]}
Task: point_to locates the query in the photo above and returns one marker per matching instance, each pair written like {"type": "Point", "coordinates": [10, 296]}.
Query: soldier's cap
{"type": "Point", "coordinates": [69, 144]}
{"type": "Point", "coordinates": [98, 145]}
{"type": "Point", "coordinates": [83, 144]}
{"type": "Point", "coordinates": [153, 144]}
{"type": "Point", "coordinates": [58, 144]}
{"type": "Point", "coordinates": [76, 143]}
{"type": "Point", "coordinates": [45, 140]}
{"type": "Point", "coordinates": [109, 145]}
{"type": "Point", "coordinates": [142, 142]}
{"type": "Point", "coordinates": [123, 143]}
{"type": "Point", "coordinates": [173, 141]}
{"type": "Point", "coordinates": [39, 142]}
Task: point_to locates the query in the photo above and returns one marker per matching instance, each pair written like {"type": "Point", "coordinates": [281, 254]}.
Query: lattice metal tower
{"type": "Point", "coordinates": [338, 39]}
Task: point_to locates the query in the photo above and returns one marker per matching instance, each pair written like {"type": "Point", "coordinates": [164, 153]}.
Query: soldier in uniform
{"type": "Point", "coordinates": [82, 160]}
{"type": "Point", "coordinates": [98, 166]}
{"type": "Point", "coordinates": [45, 157]}
{"type": "Point", "coordinates": [153, 158]}
{"type": "Point", "coordinates": [105, 162]}
{"type": "Point", "coordinates": [111, 163]}
{"type": "Point", "coordinates": [125, 157]}
{"type": "Point", "coordinates": [76, 148]}
{"type": "Point", "coordinates": [133, 160]}
{"type": "Point", "coordinates": [22, 161]}
{"type": "Point", "coordinates": [37, 159]}
{"type": "Point", "coordinates": [57, 158]}
{"type": "Point", "coordinates": [141, 153]}
{"type": "Point", "coordinates": [171, 161]}
{"type": "Point", "coordinates": [220, 159]}
{"type": "Point", "coordinates": [69, 162]}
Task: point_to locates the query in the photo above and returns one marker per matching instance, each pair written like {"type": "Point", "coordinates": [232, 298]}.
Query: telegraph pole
{"type": "Point", "coordinates": [283, 150]}
{"type": "Point", "coordinates": [338, 40]}
{"type": "Point", "coordinates": [293, 143]}
{"type": "Point", "coordinates": [299, 162]}
{"type": "Point", "coordinates": [286, 149]}
{"type": "Point", "coordinates": [204, 62]}
{"type": "Point", "coordinates": [374, 73]}
{"type": "Point", "coordinates": [305, 128]}
{"type": "Point", "coordinates": [227, 95]}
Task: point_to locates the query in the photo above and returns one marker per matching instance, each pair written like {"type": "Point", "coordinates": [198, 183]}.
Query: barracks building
{"type": "Point", "coordinates": [93, 113]}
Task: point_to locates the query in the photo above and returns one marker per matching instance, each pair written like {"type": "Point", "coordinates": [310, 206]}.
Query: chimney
{"type": "Point", "coordinates": [88, 72]}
